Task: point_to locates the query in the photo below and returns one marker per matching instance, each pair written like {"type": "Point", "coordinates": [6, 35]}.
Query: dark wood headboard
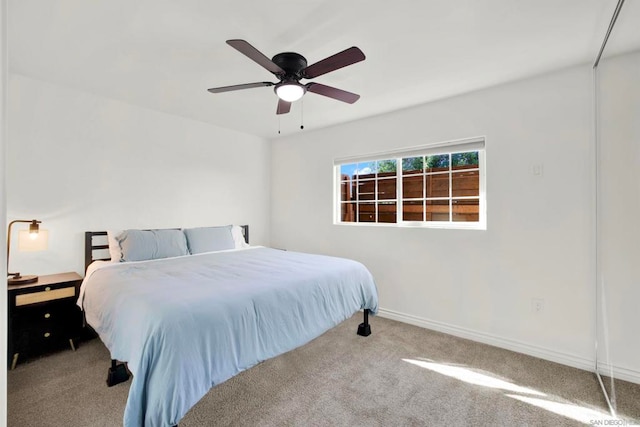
{"type": "Point", "coordinates": [90, 247]}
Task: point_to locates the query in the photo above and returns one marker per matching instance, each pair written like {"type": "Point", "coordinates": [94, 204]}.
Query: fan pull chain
{"type": "Point", "coordinates": [278, 125]}
{"type": "Point", "coordinates": [301, 114]}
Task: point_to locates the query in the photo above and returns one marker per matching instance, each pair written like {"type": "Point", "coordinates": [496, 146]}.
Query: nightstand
{"type": "Point", "coordinates": [43, 316]}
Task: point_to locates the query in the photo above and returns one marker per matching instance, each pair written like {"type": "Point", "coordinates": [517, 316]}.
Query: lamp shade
{"type": "Point", "coordinates": [290, 91]}
{"type": "Point", "coordinates": [33, 239]}
{"type": "Point", "coordinates": [33, 242]}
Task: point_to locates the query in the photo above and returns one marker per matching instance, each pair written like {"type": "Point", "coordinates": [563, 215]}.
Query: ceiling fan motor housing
{"type": "Point", "coordinates": [292, 63]}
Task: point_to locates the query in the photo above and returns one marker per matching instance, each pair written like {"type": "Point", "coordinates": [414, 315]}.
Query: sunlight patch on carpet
{"type": "Point", "coordinates": [575, 412]}
{"type": "Point", "coordinates": [472, 377]}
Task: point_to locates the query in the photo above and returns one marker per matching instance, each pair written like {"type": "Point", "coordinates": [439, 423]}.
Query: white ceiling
{"type": "Point", "coordinates": [164, 54]}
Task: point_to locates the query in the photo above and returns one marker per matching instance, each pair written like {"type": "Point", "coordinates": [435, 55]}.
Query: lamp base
{"type": "Point", "coordinates": [22, 280]}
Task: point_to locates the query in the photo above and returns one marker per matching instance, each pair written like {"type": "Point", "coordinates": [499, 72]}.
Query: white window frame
{"type": "Point", "coordinates": [450, 147]}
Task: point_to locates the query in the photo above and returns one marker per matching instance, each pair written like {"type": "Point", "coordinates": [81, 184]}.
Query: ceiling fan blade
{"type": "Point", "coordinates": [332, 92]}
{"type": "Point", "coordinates": [238, 87]}
{"type": "Point", "coordinates": [334, 62]}
{"type": "Point", "coordinates": [251, 52]}
{"type": "Point", "coordinates": [283, 107]}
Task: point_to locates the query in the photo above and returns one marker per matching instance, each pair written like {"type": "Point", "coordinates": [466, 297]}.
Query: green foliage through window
{"type": "Point", "coordinates": [386, 166]}
{"type": "Point", "coordinates": [465, 159]}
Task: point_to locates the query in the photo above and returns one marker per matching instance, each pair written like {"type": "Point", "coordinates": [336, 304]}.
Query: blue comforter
{"type": "Point", "coordinates": [189, 323]}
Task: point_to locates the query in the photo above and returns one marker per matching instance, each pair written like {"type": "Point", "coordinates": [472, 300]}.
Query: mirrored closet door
{"type": "Point", "coordinates": [617, 137]}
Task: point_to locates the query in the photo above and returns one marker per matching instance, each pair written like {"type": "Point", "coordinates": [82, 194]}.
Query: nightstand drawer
{"type": "Point", "coordinates": [34, 341]}
{"type": "Point", "coordinates": [37, 315]}
{"type": "Point", "coordinates": [46, 295]}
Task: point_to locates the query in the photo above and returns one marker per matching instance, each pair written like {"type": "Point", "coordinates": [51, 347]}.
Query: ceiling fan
{"type": "Point", "coordinates": [290, 68]}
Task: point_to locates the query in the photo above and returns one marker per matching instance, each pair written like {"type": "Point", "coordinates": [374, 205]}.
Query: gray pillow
{"type": "Point", "coordinates": [142, 245]}
{"type": "Point", "coordinates": [209, 239]}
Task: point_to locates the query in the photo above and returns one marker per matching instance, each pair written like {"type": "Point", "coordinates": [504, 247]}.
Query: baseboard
{"type": "Point", "coordinates": [619, 373]}
{"type": "Point", "coordinates": [509, 344]}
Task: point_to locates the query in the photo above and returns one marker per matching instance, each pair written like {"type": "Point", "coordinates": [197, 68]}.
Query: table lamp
{"type": "Point", "coordinates": [33, 239]}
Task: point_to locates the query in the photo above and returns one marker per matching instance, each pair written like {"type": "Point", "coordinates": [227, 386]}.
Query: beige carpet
{"type": "Point", "coordinates": [400, 375]}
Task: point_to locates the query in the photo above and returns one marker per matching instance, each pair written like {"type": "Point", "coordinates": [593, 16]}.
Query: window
{"type": "Point", "coordinates": [436, 186]}
{"type": "Point", "coordinates": [369, 191]}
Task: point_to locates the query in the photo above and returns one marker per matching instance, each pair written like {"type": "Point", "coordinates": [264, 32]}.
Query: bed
{"type": "Point", "coordinates": [185, 324]}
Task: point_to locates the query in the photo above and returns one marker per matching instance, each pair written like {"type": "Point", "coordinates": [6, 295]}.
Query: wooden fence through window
{"type": "Point", "coordinates": [360, 197]}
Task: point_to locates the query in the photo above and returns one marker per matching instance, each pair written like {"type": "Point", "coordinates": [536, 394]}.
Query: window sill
{"type": "Point", "coordinates": [436, 225]}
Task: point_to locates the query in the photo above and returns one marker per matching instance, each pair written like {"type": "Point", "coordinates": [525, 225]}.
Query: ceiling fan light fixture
{"type": "Point", "coordinates": [290, 91]}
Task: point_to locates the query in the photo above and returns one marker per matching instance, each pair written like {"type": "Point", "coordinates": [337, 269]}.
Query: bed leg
{"type": "Point", "coordinates": [117, 374]}
{"type": "Point", "coordinates": [364, 329]}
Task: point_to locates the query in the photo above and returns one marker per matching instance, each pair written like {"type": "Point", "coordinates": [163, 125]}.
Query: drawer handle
{"type": "Point", "coordinates": [47, 334]}
{"type": "Point", "coordinates": [47, 289]}
{"type": "Point", "coordinates": [47, 315]}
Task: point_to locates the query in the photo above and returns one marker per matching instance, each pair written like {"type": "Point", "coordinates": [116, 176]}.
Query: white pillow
{"type": "Point", "coordinates": [238, 237]}
{"type": "Point", "coordinates": [114, 246]}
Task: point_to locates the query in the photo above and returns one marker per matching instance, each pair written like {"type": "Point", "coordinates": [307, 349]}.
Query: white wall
{"type": "Point", "coordinates": [539, 241]}
{"type": "Point", "coordinates": [619, 204]}
{"type": "Point", "coordinates": [3, 144]}
{"type": "Point", "coordinates": [81, 162]}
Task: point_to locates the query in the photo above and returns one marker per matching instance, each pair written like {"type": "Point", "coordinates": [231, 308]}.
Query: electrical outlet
{"type": "Point", "coordinates": [537, 305]}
